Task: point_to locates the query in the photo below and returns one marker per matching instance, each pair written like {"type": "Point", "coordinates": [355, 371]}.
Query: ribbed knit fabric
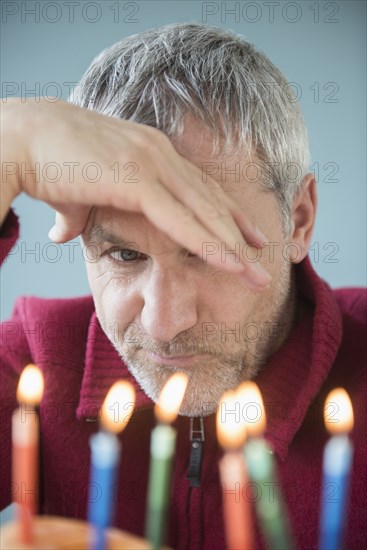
{"type": "Point", "coordinates": [97, 380]}
{"type": "Point", "coordinates": [326, 348]}
{"type": "Point", "coordinates": [288, 377]}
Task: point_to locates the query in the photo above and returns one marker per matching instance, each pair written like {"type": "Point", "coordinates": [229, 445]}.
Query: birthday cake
{"type": "Point", "coordinates": [56, 533]}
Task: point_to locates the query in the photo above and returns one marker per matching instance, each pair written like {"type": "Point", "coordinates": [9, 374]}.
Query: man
{"type": "Point", "coordinates": [196, 236]}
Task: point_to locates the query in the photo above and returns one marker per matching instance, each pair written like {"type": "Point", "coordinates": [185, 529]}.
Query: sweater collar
{"type": "Point", "coordinates": [103, 367]}
{"type": "Point", "coordinates": [289, 381]}
{"type": "Point", "coordinates": [294, 374]}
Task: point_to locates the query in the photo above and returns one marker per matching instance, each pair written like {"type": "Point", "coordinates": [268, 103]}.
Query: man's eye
{"type": "Point", "coordinates": [124, 255]}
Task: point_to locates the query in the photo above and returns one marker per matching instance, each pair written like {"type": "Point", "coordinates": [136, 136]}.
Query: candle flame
{"type": "Point", "coordinates": [31, 385]}
{"type": "Point", "coordinates": [253, 411]}
{"type": "Point", "coordinates": [118, 406]}
{"type": "Point", "coordinates": [231, 428]}
{"type": "Point", "coordinates": [338, 412]}
{"type": "Point", "coordinates": [171, 397]}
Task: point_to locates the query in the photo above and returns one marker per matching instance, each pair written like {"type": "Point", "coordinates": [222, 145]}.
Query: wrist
{"type": "Point", "coordinates": [8, 194]}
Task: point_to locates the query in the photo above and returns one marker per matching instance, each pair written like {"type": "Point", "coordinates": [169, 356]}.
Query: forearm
{"type": "Point", "coordinates": [12, 154]}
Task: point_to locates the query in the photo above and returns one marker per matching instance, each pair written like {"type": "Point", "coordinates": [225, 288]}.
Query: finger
{"type": "Point", "coordinates": [217, 219]}
{"type": "Point", "coordinates": [69, 223]}
{"type": "Point", "coordinates": [180, 224]}
{"type": "Point", "coordinates": [249, 230]}
{"type": "Point", "coordinates": [210, 204]}
{"type": "Point", "coordinates": [253, 234]}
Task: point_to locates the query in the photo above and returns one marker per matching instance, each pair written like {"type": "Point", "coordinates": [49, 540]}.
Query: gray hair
{"type": "Point", "coordinates": [157, 76]}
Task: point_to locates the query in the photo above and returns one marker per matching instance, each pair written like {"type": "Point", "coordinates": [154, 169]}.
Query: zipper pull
{"type": "Point", "coordinates": [197, 438]}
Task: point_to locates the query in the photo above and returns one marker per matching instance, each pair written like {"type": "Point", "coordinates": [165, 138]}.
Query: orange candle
{"type": "Point", "coordinates": [236, 507]}
{"type": "Point", "coordinates": [25, 441]}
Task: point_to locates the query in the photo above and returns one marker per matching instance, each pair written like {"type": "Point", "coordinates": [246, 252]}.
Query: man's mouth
{"type": "Point", "coordinates": [179, 360]}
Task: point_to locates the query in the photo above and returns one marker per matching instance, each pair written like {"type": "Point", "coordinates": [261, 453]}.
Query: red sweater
{"type": "Point", "coordinates": [327, 348]}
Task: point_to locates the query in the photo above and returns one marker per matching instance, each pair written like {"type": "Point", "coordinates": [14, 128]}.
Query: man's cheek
{"type": "Point", "coordinates": [117, 313]}
{"type": "Point", "coordinates": [96, 277]}
{"type": "Point", "coordinates": [105, 285]}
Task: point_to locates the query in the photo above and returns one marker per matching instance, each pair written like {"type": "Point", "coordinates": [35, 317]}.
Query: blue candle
{"type": "Point", "coordinates": [105, 450]}
{"type": "Point", "coordinates": [337, 462]}
{"type": "Point", "coordinates": [105, 457]}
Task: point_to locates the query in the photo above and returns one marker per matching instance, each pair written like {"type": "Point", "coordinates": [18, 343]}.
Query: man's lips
{"type": "Point", "coordinates": [180, 360]}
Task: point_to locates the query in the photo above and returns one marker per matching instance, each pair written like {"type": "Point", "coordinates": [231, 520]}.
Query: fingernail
{"type": "Point", "coordinates": [255, 287]}
{"type": "Point", "coordinates": [54, 233]}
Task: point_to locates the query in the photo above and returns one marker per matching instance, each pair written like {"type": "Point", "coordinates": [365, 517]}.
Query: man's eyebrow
{"type": "Point", "coordinates": [101, 234]}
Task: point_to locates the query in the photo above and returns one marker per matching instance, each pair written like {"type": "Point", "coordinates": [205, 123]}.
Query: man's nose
{"type": "Point", "coordinates": [170, 304]}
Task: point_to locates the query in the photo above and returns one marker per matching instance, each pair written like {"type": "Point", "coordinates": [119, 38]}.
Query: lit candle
{"type": "Point", "coordinates": [338, 455]}
{"type": "Point", "coordinates": [262, 471]}
{"type": "Point", "coordinates": [162, 448]}
{"type": "Point", "coordinates": [25, 442]}
{"type": "Point", "coordinates": [231, 432]}
{"type": "Point", "coordinates": [105, 448]}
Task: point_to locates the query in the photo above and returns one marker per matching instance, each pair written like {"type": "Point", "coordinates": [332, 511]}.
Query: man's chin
{"type": "Point", "coordinates": [194, 404]}
{"type": "Point", "coordinates": [200, 399]}
{"type": "Point", "coordinates": [196, 409]}
{"type": "Point", "coordinates": [206, 384]}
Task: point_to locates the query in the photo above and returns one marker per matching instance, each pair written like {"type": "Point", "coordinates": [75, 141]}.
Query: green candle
{"type": "Point", "coordinates": [163, 440]}
{"type": "Point", "coordinates": [262, 471]}
{"type": "Point", "coordinates": [162, 448]}
{"type": "Point", "coordinates": [269, 505]}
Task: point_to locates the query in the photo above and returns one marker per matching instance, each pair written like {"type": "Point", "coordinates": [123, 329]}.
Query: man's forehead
{"type": "Point", "coordinates": [196, 137]}
{"type": "Point", "coordinates": [107, 221]}
{"type": "Point", "coordinates": [232, 169]}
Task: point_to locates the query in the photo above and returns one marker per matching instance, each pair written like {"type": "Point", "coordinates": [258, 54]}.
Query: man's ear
{"type": "Point", "coordinates": [303, 219]}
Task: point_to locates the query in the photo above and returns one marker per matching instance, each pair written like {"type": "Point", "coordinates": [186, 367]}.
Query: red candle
{"type": "Point", "coordinates": [25, 441]}
{"type": "Point", "coordinates": [236, 507]}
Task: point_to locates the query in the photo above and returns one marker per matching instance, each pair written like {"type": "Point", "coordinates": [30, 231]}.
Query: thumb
{"type": "Point", "coordinates": [69, 223]}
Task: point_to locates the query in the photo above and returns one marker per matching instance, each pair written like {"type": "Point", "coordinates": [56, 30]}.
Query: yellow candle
{"type": "Point", "coordinates": [231, 432]}
{"type": "Point", "coordinates": [25, 442]}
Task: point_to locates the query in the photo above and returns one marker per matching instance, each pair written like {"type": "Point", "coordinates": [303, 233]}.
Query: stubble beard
{"type": "Point", "coordinates": [228, 363]}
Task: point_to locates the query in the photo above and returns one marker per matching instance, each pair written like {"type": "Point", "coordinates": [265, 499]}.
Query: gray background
{"type": "Point", "coordinates": [320, 46]}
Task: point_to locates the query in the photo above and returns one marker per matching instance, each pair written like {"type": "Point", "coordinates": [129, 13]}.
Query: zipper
{"type": "Point", "coordinates": [197, 438]}
{"type": "Point", "coordinates": [194, 512]}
